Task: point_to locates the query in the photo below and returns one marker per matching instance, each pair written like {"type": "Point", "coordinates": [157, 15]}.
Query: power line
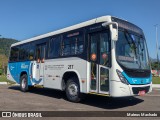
{"type": "Point", "coordinates": [157, 46]}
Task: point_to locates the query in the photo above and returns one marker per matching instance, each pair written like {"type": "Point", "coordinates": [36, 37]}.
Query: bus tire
{"type": "Point", "coordinates": [24, 83]}
{"type": "Point", "coordinates": [73, 90]}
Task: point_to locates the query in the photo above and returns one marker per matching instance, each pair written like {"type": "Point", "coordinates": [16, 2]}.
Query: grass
{"type": "Point", "coordinates": [156, 80]}
{"type": "Point", "coordinates": [3, 78]}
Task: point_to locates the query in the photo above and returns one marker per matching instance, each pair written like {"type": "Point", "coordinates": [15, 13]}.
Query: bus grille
{"type": "Point", "coordinates": [145, 74]}
{"type": "Point", "coordinates": [137, 89]}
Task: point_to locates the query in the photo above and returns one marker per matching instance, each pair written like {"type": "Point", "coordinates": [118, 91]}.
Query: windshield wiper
{"type": "Point", "coordinates": [142, 48]}
{"type": "Point", "coordinates": [138, 54]}
{"type": "Point", "coordinates": [134, 48]}
{"type": "Point", "coordinates": [127, 42]}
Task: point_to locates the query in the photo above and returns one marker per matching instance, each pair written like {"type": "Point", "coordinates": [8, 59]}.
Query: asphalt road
{"type": "Point", "coordinates": [39, 99]}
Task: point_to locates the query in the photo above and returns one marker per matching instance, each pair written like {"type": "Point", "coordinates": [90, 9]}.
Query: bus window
{"type": "Point", "coordinates": [72, 46]}
{"type": "Point", "coordinates": [93, 58]}
{"type": "Point", "coordinates": [14, 54]}
{"type": "Point", "coordinates": [38, 54]}
{"type": "Point", "coordinates": [104, 49]}
{"type": "Point", "coordinates": [54, 47]}
{"type": "Point", "coordinates": [80, 45]}
{"type": "Point", "coordinates": [66, 47]}
{"type": "Point", "coordinates": [23, 52]}
{"type": "Point", "coordinates": [31, 52]}
{"type": "Point", "coordinates": [94, 47]}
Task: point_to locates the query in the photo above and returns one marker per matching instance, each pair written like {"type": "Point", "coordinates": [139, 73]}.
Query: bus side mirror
{"type": "Point", "coordinates": [114, 30]}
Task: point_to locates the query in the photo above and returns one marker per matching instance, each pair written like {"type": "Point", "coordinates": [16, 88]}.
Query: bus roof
{"type": "Point", "coordinates": [80, 25]}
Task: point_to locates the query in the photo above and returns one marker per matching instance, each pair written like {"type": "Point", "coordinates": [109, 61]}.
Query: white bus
{"type": "Point", "coordinates": [103, 56]}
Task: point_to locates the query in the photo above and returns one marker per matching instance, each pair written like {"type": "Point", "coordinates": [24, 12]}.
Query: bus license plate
{"type": "Point", "coordinates": [141, 93]}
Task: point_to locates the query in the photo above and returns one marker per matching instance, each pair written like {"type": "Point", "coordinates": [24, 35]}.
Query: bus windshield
{"type": "Point", "coordinates": [131, 51]}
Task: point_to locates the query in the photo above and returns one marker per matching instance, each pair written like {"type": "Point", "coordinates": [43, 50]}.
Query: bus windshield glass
{"type": "Point", "coordinates": [131, 51]}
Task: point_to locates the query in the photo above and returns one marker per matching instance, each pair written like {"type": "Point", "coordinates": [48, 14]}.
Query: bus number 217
{"type": "Point", "coordinates": [70, 66]}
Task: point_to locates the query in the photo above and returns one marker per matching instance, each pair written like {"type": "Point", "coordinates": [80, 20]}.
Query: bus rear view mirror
{"type": "Point", "coordinates": [113, 30]}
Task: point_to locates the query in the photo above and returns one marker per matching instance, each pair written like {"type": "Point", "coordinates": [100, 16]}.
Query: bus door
{"type": "Point", "coordinates": [40, 59]}
{"type": "Point", "coordinates": [99, 62]}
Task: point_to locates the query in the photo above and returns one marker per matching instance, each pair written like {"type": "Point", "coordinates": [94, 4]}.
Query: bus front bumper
{"type": "Point", "coordinates": [119, 89]}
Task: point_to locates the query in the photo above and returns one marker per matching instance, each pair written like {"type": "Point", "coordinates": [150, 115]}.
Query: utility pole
{"type": "Point", "coordinates": [157, 46]}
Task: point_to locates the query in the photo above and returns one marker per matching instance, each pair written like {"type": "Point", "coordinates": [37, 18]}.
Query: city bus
{"type": "Point", "coordinates": [104, 56]}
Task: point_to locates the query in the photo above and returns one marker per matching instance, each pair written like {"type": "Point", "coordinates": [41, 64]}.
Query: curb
{"type": "Point", "coordinates": [6, 83]}
{"type": "Point", "coordinates": [3, 83]}
{"type": "Point", "coordinates": [156, 85]}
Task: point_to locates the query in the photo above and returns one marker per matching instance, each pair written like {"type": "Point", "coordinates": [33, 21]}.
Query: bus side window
{"type": "Point", "coordinates": [38, 54]}
{"type": "Point", "coordinates": [80, 45]}
{"type": "Point", "coordinates": [72, 46]}
{"type": "Point", "coordinates": [67, 47]}
{"type": "Point", "coordinates": [54, 47]}
{"type": "Point", "coordinates": [24, 52]}
{"type": "Point", "coordinates": [14, 54]}
{"type": "Point", "coordinates": [31, 52]}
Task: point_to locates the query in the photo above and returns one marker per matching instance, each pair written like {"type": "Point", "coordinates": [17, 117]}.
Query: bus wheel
{"type": "Point", "coordinates": [24, 83]}
{"type": "Point", "coordinates": [73, 90]}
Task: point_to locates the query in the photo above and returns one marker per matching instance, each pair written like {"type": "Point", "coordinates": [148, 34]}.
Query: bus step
{"type": "Point", "coordinates": [39, 86]}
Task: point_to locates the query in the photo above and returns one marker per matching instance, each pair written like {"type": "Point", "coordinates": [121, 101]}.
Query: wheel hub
{"type": "Point", "coordinates": [72, 90]}
{"type": "Point", "coordinates": [23, 83]}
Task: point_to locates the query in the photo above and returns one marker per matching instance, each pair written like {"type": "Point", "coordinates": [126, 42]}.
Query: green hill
{"type": "Point", "coordinates": [5, 44]}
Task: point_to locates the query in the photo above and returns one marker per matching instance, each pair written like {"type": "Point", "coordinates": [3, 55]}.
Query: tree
{"type": "Point", "coordinates": [5, 44]}
{"type": "Point", "coordinates": [154, 65]}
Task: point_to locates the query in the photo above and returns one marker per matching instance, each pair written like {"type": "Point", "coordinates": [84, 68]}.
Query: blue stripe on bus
{"type": "Point", "coordinates": [18, 67]}
{"type": "Point", "coordinates": [36, 81]}
{"type": "Point", "coordinates": [137, 81]}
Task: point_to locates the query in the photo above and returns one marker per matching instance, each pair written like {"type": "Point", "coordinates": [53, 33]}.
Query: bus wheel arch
{"type": "Point", "coordinates": [71, 85]}
{"type": "Point", "coordinates": [24, 81]}
{"type": "Point", "coordinates": [66, 77]}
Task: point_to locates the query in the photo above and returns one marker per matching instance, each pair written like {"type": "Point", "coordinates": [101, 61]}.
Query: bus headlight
{"type": "Point", "coordinates": [121, 77]}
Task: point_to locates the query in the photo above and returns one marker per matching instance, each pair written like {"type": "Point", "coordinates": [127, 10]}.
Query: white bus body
{"type": "Point", "coordinates": [100, 56]}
